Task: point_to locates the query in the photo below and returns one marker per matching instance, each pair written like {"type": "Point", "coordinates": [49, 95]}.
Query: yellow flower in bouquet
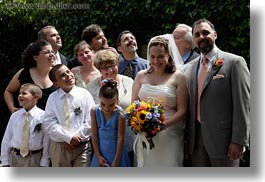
{"type": "Point", "coordinates": [135, 124]}
{"type": "Point", "coordinates": [145, 117]}
{"type": "Point", "coordinates": [141, 116]}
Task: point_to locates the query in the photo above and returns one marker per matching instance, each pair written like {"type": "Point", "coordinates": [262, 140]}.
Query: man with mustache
{"type": "Point", "coordinates": [129, 61]}
{"type": "Point", "coordinates": [219, 118]}
{"type": "Point", "coordinates": [50, 34]}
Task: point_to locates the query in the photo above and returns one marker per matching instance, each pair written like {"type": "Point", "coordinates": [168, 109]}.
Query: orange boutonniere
{"type": "Point", "coordinates": [218, 63]}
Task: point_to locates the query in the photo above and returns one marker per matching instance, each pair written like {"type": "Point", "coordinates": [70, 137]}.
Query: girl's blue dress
{"type": "Point", "coordinates": [108, 136]}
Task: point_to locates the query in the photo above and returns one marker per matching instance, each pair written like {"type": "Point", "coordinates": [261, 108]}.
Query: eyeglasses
{"type": "Point", "coordinates": [108, 67]}
{"type": "Point", "coordinates": [48, 52]}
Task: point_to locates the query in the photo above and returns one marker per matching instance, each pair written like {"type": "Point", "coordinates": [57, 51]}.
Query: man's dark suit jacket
{"type": "Point", "coordinates": [63, 59]}
{"type": "Point", "coordinates": [73, 62]}
{"type": "Point", "coordinates": [192, 56]}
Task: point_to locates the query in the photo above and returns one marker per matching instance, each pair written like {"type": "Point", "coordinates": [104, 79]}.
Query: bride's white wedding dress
{"type": "Point", "coordinates": [168, 149]}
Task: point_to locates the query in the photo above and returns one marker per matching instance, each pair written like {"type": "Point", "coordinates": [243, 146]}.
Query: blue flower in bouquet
{"type": "Point", "coordinates": [149, 116]}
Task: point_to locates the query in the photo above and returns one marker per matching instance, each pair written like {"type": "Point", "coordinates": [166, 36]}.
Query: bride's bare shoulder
{"type": "Point", "coordinates": [141, 73]}
{"type": "Point", "coordinates": [179, 76]}
{"type": "Point", "coordinates": [178, 73]}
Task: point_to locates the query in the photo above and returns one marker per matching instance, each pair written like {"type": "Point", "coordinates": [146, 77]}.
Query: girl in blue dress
{"type": "Point", "coordinates": [108, 128]}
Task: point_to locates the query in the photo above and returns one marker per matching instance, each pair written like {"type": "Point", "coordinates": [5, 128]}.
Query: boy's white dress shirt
{"type": "Point", "coordinates": [81, 102]}
{"type": "Point", "coordinates": [38, 139]}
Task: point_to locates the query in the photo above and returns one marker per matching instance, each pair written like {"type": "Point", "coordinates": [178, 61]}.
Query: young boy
{"type": "Point", "coordinates": [67, 120]}
{"type": "Point", "coordinates": [35, 151]}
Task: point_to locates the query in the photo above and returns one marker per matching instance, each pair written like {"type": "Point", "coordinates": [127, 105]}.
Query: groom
{"type": "Point", "coordinates": [219, 123]}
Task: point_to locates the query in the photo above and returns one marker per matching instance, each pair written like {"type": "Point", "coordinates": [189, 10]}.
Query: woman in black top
{"type": "Point", "coordinates": [37, 58]}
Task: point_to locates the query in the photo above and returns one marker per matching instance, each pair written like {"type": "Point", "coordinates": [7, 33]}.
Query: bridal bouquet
{"type": "Point", "coordinates": [145, 119]}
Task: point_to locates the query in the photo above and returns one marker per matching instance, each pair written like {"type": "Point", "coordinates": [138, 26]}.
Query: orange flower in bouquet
{"type": "Point", "coordinates": [145, 117]}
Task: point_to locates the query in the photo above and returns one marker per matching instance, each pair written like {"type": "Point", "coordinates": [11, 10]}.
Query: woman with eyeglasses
{"type": "Point", "coordinates": [106, 61]}
{"type": "Point", "coordinates": [37, 59]}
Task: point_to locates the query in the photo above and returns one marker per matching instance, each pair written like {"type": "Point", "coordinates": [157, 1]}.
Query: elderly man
{"type": "Point", "coordinates": [183, 39]}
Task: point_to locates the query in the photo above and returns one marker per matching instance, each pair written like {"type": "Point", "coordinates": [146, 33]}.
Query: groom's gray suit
{"type": "Point", "coordinates": [225, 105]}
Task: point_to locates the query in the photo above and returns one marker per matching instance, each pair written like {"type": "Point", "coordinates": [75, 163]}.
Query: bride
{"type": "Point", "coordinates": [167, 85]}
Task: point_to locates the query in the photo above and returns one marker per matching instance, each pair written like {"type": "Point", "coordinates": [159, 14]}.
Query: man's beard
{"type": "Point", "coordinates": [206, 48]}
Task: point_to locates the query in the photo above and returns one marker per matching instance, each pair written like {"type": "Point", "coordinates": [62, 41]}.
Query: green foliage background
{"type": "Point", "coordinates": [145, 18]}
